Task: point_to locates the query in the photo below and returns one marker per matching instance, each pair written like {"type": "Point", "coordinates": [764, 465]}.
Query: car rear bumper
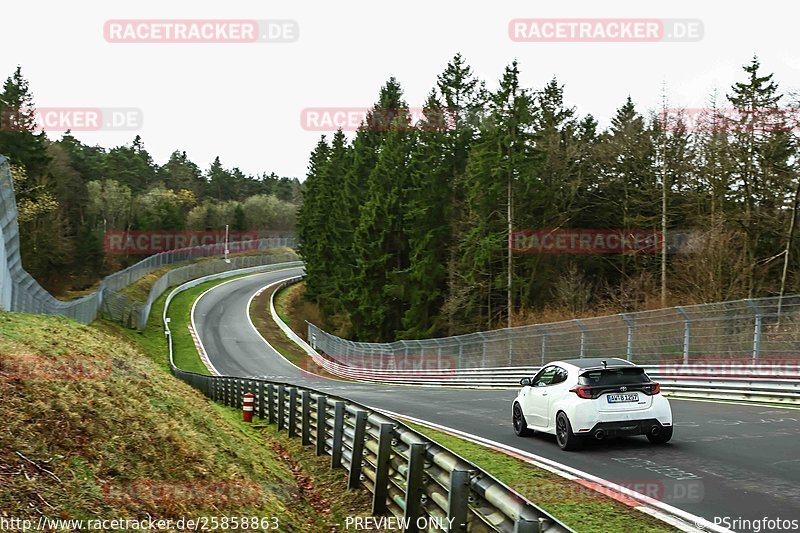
{"type": "Point", "coordinates": [625, 427]}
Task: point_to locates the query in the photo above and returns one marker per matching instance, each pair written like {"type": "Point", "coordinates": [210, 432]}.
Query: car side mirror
{"type": "Point", "coordinates": [525, 382]}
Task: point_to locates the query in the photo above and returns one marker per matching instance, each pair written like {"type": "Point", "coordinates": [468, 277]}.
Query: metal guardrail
{"type": "Point", "coordinates": [409, 475]}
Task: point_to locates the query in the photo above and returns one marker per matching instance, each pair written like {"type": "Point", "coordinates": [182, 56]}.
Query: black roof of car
{"type": "Point", "coordinates": [596, 362]}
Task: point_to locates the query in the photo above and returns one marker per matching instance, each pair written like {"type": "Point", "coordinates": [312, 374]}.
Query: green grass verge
{"type": "Point", "coordinates": [577, 506]}
{"type": "Point", "coordinates": [94, 428]}
{"type": "Point", "coordinates": [282, 301]}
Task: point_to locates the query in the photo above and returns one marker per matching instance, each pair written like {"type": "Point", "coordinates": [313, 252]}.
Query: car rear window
{"type": "Point", "coordinates": [613, 376]}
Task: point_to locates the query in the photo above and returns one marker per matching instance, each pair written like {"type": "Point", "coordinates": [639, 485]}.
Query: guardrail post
{"type": "Point", "coordinates": [270, 403]}
{"type": "Point", "coordinates": [629, 342]}
{"type": "Point", "coordinates": [322, 423]}
{"type": "Point", "coordinates": [414, 489]}
{"type": "Point", "coordinates": [293, 412]}
{"type": "Point", "coordinates": [281, 402]}
{"type": "Point", "coordinates": [359, 434]}
{"type": "Point", "coordinates": [305, 417]}
{"type": "Point", "coordinates": [457, 500]}
{"type": "Point", "coordinates": [543, 331]}
{"type": "Point", "coordinates": [483, 352]}
{"type": "Point", "coordinates": [510, 349]}
{"type": "Point", "coordinates": [262, 402]}
{"type": "Point", "coordinates": [382, 466]}
{"type": "Point", "coordinates": [338, 434]}
{"type": "Point", "coordinates": [757, 329]}
{"type": "Point", "coordinates": [582, 327]}
{"type": "Point", "coordinates": [523, 525]}
{"type": "Point", "coordinates": [687, 331]}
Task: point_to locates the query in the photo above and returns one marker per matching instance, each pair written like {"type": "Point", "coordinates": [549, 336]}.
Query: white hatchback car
{"type": "Point", "coordinates": [579, 398]}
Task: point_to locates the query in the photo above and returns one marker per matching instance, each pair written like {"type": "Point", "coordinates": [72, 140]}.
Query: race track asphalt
{"type": "Point", "coordinates": [725, 460]}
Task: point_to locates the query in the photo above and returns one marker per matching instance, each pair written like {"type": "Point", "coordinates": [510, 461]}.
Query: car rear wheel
{"type": "Point", "coordinates": [518, 419]}
{"type": "Point", "coordinates": [566, 439]}
{"type": "Point", "coordinates": [661, 437]}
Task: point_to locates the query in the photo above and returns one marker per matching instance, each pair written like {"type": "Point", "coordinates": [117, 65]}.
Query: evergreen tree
{"type": "Point", "coordinates": [220, 181]}
{"type": "Point", "coordinates": [19, 139]}
{"type": "Point", "coordinates": [762, 153]}
{"type": "Point", "coordinates": [496, 163]}
{"type": "Point", "coordinates": [427, 224]}
{"type": "Point", "coordinates": [239, 219]}
{"type": "Point", "coordinates": [380, 242]}
{"type": "Point", "coordinates": [463, 98]}
{"type": "Point", "coordinates": [181, 173]}
{"type": "Point", "coordinates": [131, 165]}
{"type": "Point", "coordinates": [312, 222]}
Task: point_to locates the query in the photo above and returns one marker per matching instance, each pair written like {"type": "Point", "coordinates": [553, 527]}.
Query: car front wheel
{"type": "Point", "coordinates": [566, 439]}
{"type": "Point", "coordinates": [518, 420]}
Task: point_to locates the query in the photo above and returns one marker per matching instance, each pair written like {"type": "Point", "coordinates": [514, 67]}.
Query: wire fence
{"type": "Point", "coordinates": [21, 293]}
{"type": "Point", "coordinates": [761, 329]}
{"type": "Point", "coordinates": [133, 313]}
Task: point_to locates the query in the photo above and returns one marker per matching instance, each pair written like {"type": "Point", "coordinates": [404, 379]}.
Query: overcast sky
{"type": "Point", "coordinates": [243, 102]}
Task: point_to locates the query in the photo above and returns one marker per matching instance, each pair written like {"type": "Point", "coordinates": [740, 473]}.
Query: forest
{"type": "Point", "coordinates": [406, 227]}
{"type": "Point", "coordinates": [70, 194]}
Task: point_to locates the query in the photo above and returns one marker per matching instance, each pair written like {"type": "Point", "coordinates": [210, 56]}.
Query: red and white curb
{"type": "Point", "coordinates": [201, 350]}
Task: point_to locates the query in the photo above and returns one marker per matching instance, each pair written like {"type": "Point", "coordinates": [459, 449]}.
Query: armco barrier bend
{"type": "Point", "coordinates": [409, 475]}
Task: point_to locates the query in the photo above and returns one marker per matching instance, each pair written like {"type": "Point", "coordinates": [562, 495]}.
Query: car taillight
{"type": "Point", "coordinates": [583, 392]}
{"type": "Point", "coordinates": [653, 388]}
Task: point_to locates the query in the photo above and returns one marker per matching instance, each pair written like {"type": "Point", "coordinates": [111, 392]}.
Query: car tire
{"type": "Point", "coordinates": [663, 436]}
{"type": "Point", "coordinates": [518, 421]}
{"type": "Point", "coordinates": [567, 441]}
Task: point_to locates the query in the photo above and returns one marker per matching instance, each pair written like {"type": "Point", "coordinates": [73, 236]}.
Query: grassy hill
{"type": "Point", "coordinates": [94, 428]}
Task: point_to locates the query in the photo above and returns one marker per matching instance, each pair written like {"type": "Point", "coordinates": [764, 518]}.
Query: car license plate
{"type": "Point", "coordinates": [621, 398]}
